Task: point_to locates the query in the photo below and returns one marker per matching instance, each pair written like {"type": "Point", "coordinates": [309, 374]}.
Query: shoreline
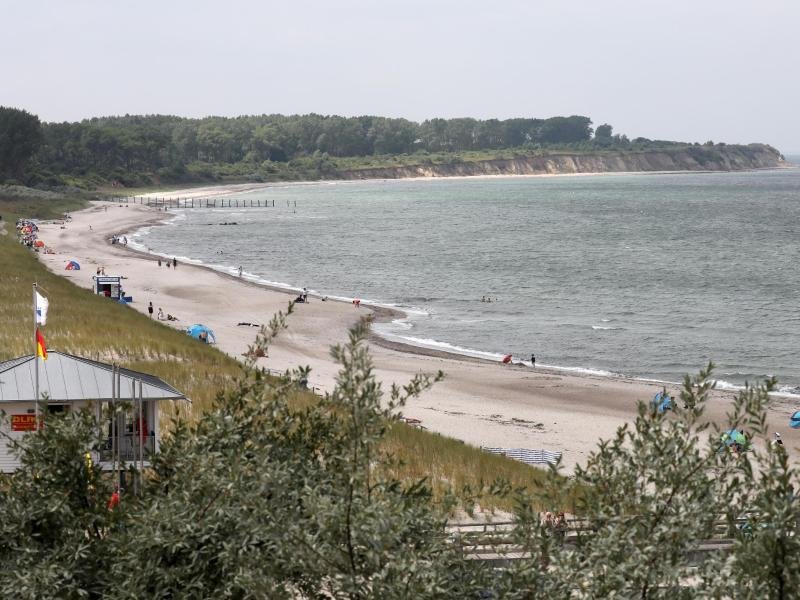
{"type": "Point", "coordinates": [383, 313]}
{"type": "Point", "coordinates": [481, 401]}
{"type": "Point", "coordinates": [226, 189]}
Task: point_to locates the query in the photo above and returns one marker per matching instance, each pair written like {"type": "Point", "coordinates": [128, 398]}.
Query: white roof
{"type": "Point", "coordinates": [66, 378]}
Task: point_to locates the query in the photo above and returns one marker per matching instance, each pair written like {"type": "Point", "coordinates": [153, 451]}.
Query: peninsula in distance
{"type": "Point", "coordinates": [146, 150]}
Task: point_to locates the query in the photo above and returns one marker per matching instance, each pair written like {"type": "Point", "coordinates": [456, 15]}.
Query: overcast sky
{"type": "Point", "coordinates": [694, 70]}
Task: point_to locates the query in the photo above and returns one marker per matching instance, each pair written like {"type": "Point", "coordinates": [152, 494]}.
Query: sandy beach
{"type": "Point", "coordinates": [480, 402]}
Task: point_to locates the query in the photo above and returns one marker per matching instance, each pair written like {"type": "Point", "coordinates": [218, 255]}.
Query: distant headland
{"type": "Point", "coordinates": [156, 150]}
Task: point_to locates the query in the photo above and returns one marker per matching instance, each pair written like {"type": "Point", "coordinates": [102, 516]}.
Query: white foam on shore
{"type": "Point", "coordinates": [783, 391]}
{"type": "Point", "coordinates": [385, 331]}
{"type": "Point", "coordinates": [391, 330]}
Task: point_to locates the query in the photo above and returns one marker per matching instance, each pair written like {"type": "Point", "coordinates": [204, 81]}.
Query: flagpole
{"type": "Point", "coordinates": [36, 365]}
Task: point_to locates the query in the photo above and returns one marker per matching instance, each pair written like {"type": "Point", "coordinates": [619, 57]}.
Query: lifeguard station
{"type": "Point", "coordinates": [109, 286]}
{"type": "Point", "coordinates": [126, 404]}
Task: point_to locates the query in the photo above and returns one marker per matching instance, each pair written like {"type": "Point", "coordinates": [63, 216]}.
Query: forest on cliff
{"type": "Point", "coordinates": [134, 150]}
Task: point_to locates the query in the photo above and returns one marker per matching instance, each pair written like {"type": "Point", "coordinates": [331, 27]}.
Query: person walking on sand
{"type": "Point", "coordinates": [533, 360]}
{"type": "Point", "coordinates": [159, 262]}
{"type": "Point", "coordinates": [150, 310]}
{"type": "Point", "coordinates": [174, 263]}
{"type": "Point", "coordinates": [240, 270]}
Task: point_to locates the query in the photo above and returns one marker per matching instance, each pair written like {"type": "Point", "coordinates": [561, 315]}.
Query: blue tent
{"type": "Point", "coordinates": [733, 436]}
{"type": "Point", "coordinates": [197, 331]}
{"type": "Point", "coordinates": [72, 266]}
{"type": "Point", "coordinates": [661, 402]}
{"type": "Point", "coordinates": [794, 420]}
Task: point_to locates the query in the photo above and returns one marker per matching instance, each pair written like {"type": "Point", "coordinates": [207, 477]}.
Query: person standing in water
{"type": "Point", "coordinates": [240, 270]}
{"type": "Point", "coordinates": [533, 360]}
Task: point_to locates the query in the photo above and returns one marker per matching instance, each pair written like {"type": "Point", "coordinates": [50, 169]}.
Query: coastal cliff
{"type": "Point", "coordinates": [719, 157]}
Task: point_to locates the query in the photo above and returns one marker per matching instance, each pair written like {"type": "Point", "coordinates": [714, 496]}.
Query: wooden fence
{"type": "Point", "coordinates": [495, 543]}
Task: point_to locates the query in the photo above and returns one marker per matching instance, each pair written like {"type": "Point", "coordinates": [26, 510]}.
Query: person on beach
{"type": "Point", "coordinates": [174, 261]}
{"type": "Point", "coordinates": [159, 262]}
{"type": "Point", "coordinates": [305, 295]}
{"type": "Point", "coordinates": [150, 309]}
{"type": "Point", "coordinates": [357, 303]}
{"type": "Point", "coordinates": [168, 264]}
{"type": "Point", "coordinates": [533, 360]}
{"type": "Point", "coordinates": [240, 270]}
{"type": "Point", "coordinates": [160, 316]}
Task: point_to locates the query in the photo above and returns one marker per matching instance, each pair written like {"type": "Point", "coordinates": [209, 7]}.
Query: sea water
{"type": "Point", "coordinates": [646, 275]}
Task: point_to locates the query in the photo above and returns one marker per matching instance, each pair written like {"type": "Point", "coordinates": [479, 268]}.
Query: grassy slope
{"type": "Point", "coordinates": [88, 325]}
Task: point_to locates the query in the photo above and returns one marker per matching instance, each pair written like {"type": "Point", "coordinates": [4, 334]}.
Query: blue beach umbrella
{"type": "Point", "coordinates": [196, 331]}
{"type": "Point", "coordinates": [794, 420]}
{"type": "Point", "coordinates": [661, 402]}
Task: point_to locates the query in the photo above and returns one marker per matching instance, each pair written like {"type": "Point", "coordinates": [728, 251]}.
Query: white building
{"type": "Point", "coordinates": [129, 434]}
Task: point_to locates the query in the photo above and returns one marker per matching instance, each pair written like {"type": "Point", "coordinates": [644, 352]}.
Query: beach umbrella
{"type": "Point", "coordinates": [72, 266]}
{"type": "Point", "coordinates": [794, 421]}
{"type": "Point", "coordinates": [732, 436]}
{"type": "Point", "coordinates": [197, 329]}
{"type": "Point", "coordinates": [661, 402]}
{"type": "Point", "coordinates": [38, 243]}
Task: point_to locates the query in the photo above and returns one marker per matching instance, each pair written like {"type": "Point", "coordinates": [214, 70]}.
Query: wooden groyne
{"type": "Point", "coordinates": [167, 203]}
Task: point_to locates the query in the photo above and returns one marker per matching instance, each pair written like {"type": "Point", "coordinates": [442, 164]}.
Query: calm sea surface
{"type": "Point", "coordinates": [644, 275]}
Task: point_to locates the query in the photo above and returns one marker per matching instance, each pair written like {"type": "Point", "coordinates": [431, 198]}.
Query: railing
{"type": "Point", "coordinates": [127, 448]}
{"type": "Point", "coordinates": [495, 542]}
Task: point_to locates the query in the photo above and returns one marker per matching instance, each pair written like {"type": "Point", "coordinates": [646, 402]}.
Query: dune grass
{"type": "Point", "coordinates": [84, 324]}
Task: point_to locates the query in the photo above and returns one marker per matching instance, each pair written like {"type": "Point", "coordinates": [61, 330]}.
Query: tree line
{"type": "Point", "coordinates": [155, 141]}
{"type": "Point", "coordinates": [167, 145]}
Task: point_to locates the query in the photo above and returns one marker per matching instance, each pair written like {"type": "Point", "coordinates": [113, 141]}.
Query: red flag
{"type": "Point", "coordinates": [41, 347]}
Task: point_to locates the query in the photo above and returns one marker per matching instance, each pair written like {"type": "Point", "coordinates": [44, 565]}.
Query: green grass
{"type": "Point", "coordinates": [84, 324]}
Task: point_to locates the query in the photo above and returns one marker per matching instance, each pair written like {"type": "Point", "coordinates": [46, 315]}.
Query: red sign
{"type": "Point", "coordinates": [23, 422]}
